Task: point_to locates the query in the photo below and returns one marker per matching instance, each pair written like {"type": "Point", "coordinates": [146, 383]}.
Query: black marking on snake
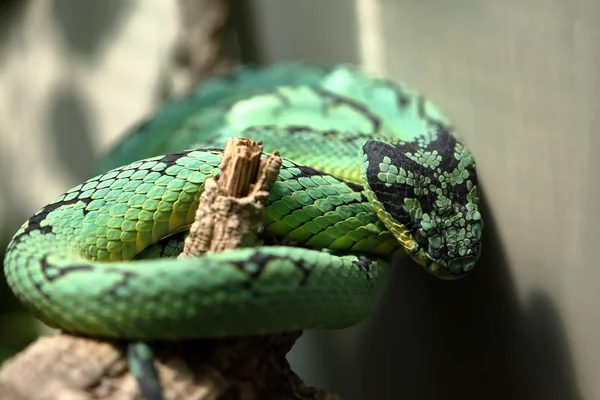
{"type": "Point", "coordinates": [339, 135]}
{"type": "Point", "coordinates": [306, 171]}
{"type": "Point", "coordinates": [261, 260]}
{"type": "Point", "coordinates": [402, 99]}
{"type": "Point", "coordinates": [392, 195]}
{"type": "Point", "coordinates": [34, 223]}
{"type": "Point", "coordinates": [357, 188]}
{"type": "Point", "coordinates": [337, 100]}
{"type": "Point", "coordinates": [45, 229]}
{"type": "Point", "coordinates": [171, 158]}
{"type": "Point", "coordinates": [209, 149]}
{"type": "Point", "coordinates": [41, 290]}
{"type": "Point", "coordinates": [53, 273]}
{"type": "Point", "coordinates": [290, 129]}
{"type": "Point", "coordinates": [460, 191]}
{"type": "Point", "coordinates": [421, 108]}
{"type": "Point", "coordinates": [60, 271]}
{"type": "Point", "coordinates": [295, 129]}
{"type": "Point", "coordinates": [365, 264]}
{"type": "Point", "coordinates": [258, 259]}
{"type": "Point", "coordinates": [445, 144]}
{"type": "Point", "coordinates": [126, 276]}
{"type": "Point", "coordinates": [352, 137]}
{"type": "Point", "coordinates": [276, 93]}
{"type": "Point", "coordinates": [303, 266]}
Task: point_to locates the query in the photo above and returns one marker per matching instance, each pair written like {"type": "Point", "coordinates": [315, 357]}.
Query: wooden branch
{"type": "Point", "coordinates": [230, 215]}
{"type": "Point", "coordinates": [231, 208]}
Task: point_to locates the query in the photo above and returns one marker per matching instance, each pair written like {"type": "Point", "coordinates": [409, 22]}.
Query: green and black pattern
{"type": "Point", "coordinates": [372, 171]}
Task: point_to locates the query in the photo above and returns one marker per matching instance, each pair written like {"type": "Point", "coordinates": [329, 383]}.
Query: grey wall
{"type": "Point", "coordinates": [520, 81]}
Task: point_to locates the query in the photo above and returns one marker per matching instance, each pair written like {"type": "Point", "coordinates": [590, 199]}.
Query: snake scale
{"type": "Point", "coordinates": [372, 171]}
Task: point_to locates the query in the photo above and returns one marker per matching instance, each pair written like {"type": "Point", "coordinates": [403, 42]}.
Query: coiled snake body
{"type": "Point", "coordinates": [372, 171]}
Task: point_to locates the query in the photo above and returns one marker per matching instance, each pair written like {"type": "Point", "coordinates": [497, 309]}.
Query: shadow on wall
{"type": "Point", "coordinates": [84, 28]}
{"type": "Point", "coordinates": [86, 25]}
{"type": "Point", "coordinates": [71, 128]}
{"type": "Point", "coordinates": [457, 340]}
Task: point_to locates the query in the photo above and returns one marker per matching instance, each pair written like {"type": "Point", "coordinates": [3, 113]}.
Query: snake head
{"type": "Point", "coordinates": [425, 192]}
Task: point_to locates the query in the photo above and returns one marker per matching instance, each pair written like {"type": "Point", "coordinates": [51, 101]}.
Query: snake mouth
{"type": "Point", "coordinates": [454, 269]}
{"type": "Point", "coordinates": [462, 266]}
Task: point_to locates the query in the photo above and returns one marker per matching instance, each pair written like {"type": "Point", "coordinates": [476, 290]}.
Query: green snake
{"type": "Point", "coordinates": [372, 171]}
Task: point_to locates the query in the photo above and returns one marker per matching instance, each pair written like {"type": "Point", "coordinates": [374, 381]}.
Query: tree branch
{"type": "Point", "coordinates": [204, 45]}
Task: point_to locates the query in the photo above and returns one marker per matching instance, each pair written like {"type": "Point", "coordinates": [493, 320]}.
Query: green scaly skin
{"type": "Point", "coordinates": [372, 171]}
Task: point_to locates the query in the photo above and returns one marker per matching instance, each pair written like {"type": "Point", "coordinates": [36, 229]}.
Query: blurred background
{"type": "Point", "coordinates": [519, 80]}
